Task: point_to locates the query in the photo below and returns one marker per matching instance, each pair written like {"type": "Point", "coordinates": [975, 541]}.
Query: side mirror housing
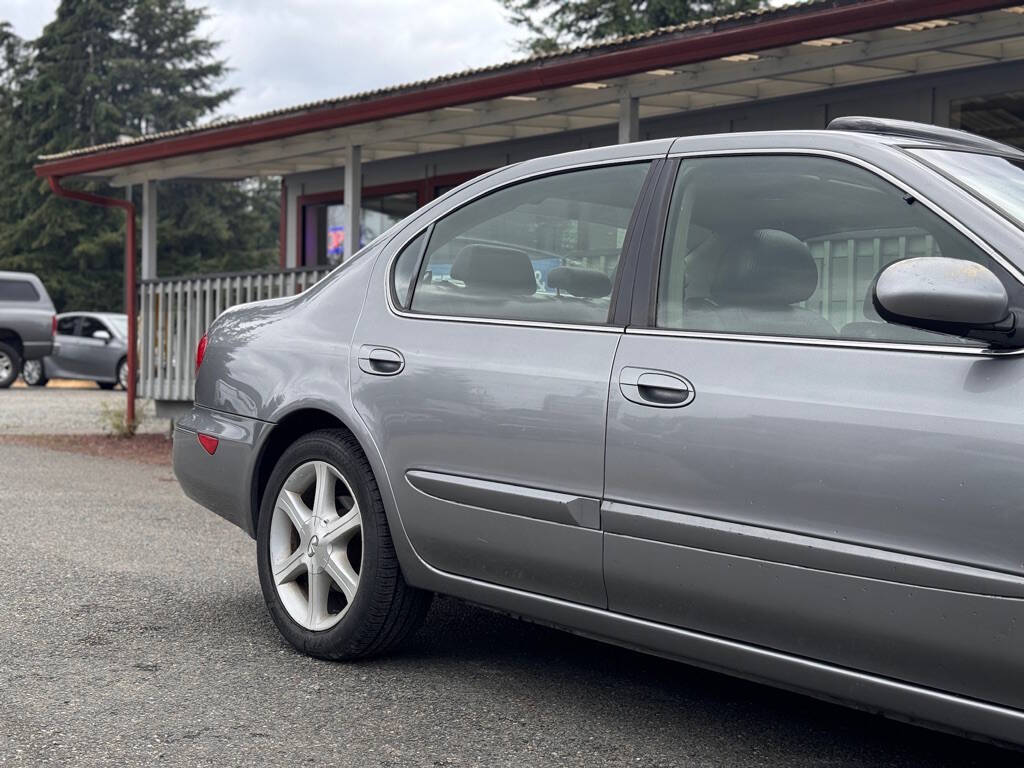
{"type": "Point", "coordinates": [102, 335]}
{"type": "Point", "coordinates": [952, 296]}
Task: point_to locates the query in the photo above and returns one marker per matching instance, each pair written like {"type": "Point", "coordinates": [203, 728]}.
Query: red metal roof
{"type": "Point", "coordinates": [670, 46]}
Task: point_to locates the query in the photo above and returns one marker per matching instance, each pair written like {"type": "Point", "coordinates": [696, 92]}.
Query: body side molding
{"type": "Point", "coordinates": [768, 544]}
{"type": "Point", "coordinates": [512, 499]}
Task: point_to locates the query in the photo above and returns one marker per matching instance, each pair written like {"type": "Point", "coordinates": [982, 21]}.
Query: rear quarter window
{"type": "Point", "coordinates": [18, 290]}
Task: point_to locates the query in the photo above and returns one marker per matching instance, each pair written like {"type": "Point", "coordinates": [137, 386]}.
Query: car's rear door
{"type": "Point", "coordinates": [785, 469]}
{"type": "Point", "coordinates": [484, 376]}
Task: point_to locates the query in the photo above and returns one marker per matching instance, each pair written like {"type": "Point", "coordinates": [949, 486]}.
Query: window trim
{"type": "Point", "coordinates": [645, 296]}
{"type": "Point", "coordinates": [653, 173]}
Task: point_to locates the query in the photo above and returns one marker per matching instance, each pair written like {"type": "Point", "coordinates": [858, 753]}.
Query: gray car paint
{"type": "Point", "coordinates": [78, 357]}
{"type": "Point", "coordinates": [28, 323]}
{"type": "Point", "coordinates": [907, 604]}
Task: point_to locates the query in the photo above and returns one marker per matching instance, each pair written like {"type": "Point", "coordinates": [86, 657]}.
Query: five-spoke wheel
{"type": "Point", "coordinates": [316, 545]}
{"type": "Point", "coordinates": [328, 568]}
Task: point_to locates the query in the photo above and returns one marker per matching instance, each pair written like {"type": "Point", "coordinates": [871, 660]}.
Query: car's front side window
{"type": "Point", "coordinates": [543, 250]}
{"type": "Point", "coordinates": [791, 245]}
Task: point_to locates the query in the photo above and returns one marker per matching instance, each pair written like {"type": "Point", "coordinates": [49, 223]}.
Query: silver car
{"type": "Point", "coordinates": [87, 345]}
{"type": "Point", "coordinates": [750, 401]}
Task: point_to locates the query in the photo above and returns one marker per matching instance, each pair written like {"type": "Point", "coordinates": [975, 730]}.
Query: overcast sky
{"type": "Point", "coordinates": [287, 53]}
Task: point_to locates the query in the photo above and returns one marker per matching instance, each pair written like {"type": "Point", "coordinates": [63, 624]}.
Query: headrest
{"type": "Point", "coordinates": [768, 267]}
{"type": "Point", "coordinates": [495, 269]}
{"type": "Point", "coordinates": [585, 283]}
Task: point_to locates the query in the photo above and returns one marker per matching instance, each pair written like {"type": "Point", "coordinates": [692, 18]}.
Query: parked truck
{"type": "Point", "coordinates": [27, 323]}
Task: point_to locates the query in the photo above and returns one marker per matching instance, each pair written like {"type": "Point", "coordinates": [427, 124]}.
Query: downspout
{"type": "Point", "coordinates": [129, 274]}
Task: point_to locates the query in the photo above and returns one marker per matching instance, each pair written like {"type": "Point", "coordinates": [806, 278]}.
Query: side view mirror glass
{"type": "Point", "coordinates": [952, 296]}
{"type": "Point", "coordinates": [101, 335]}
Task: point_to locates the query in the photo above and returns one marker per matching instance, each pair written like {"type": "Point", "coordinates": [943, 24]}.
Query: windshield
{"type": "Point", "coordinates": [119, 324]}
{"type": "Point", "coordinates": [997, 180]}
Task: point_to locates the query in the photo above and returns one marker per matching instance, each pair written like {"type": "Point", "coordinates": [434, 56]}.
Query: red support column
{"type": "Point", "coordinates": [129, 276]}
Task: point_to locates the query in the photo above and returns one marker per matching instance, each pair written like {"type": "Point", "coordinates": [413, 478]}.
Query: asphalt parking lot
{"type": "Point", "coordinates": [133, 632]}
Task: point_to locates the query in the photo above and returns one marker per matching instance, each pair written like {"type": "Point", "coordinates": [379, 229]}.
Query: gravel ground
{"type": "Point", "coordinates": [133, 632]}
{"type": "Point", "coordinates": [68, 411]}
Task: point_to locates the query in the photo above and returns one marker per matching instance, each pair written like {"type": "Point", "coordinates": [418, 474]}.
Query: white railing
{"type": "Point", "coordinates": [174, 313]}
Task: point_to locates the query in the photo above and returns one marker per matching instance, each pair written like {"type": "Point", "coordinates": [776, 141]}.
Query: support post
{"type": "Point", "coordinates": [149, 216]}
{"type": "Point", "coordinates": [629, 119]}
{"type": "Point", "coordinates": [353, 199]}
{"type": "Point", "coordinates": [129, 276]}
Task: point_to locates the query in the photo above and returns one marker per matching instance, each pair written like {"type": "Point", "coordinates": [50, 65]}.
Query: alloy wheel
{"type": "Point", "coordinates": [122, 375]}
{"type": "Point", "coordinates": [31, 372]}
{"type": "Point", "coordinates": [316, 545]}
{"type": "Point", "coordinates": [6, 366]}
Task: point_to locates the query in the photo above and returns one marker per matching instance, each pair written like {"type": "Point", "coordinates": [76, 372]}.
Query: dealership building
{"type": "Point", "coordinates": [362, 162]}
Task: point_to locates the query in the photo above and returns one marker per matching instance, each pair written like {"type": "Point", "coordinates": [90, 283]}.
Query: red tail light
{"type": "Point", "coordinates": [53, 326]}
{"type": "Point", "coordinates": [200, 352]}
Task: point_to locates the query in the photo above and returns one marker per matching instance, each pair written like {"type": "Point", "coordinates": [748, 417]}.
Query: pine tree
{"type": "Point", "coordinates": [557, 24]}
{"type": "Point", "coordinates": [69, 100]}
{"type": "Point", "coordinates": [101, 70]}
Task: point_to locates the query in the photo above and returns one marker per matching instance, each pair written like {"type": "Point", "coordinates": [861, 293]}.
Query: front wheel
{"type": "Point", "coordinates": [33, 373]}
{"type": "Point", "coordinates": [327, 565]}
{"type": "Point", "coordinates": [122, 374]}
{"type": "Point", "coordinates": [10, 365]}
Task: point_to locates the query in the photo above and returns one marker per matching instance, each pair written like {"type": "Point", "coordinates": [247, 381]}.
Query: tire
{"type": "Point", "coordinates": [106, 384]}
{"type": "Point", "coordinates": [122, 374]}
{"type": "Point", "coordinates": [383, 610]}
{"type": "Point", "coordinates": [10, 365]}
{"type": "Point", "coordinates": [33, 373]}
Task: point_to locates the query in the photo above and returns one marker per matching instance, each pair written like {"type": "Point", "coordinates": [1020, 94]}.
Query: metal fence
{"type": "Point", "coordinates": [175, 312]}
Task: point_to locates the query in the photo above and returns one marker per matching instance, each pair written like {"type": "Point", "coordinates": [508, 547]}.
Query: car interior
{"type": "Point", "coordinates": [792, 246]}
{"type": "Point", "coordinates": [544, 251]}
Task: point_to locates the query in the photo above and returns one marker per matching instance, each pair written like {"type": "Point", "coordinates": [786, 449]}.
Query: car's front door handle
{"type": "Point", "coordinates": [658, 389]}
{"type": "Point", "coordinates": [380, 361]}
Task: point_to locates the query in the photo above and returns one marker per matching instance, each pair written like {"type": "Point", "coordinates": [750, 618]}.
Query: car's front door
{"type": "Point", "coordinates": [92, 361]}
{"type": "Point", "coordinates": [787, 470]}
{"type": "Point", "coordinates": [485, 381]}
{"type": "Point", "coordinates": [68, 348]}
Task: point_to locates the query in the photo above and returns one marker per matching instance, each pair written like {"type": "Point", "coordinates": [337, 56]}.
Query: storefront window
{"type": "Point", "coordinates": [323, 235]}
{"type": "Point", "coordinates": [997, 116]}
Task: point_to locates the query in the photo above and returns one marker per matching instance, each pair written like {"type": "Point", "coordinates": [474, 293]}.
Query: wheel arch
{"type": "Point", "coordinates": [12, 337]}
{"type": "Point", "coordinates": [309, 417]}
{"type": "Point", "coordinates": [289, 428]}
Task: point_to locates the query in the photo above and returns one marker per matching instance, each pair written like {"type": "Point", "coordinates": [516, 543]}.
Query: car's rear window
{"type": "Point", "coordinates": [18, 290]}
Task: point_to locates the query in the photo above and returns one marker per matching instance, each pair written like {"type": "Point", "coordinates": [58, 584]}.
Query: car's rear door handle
{"type": "Point", "coordinates": [658, 389]}
{"type": "Point", "coordinates": [380, 361]}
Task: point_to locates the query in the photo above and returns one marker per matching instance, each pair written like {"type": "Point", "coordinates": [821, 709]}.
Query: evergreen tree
{"type": "Point", "coordinates": [70, 100]}
{"type": "Point", "coordinates": [557, 24]}
{"type": "Point", "coordinates": [101, 70]}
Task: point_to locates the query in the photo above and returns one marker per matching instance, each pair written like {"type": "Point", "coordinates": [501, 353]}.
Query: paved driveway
{"type": "Point", "coordinates": [133, 632]}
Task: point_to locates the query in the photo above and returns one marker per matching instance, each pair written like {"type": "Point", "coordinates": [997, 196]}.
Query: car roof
{"type": "Point", "coordinates": [20, 276]}
{"type": "Point", "coordinates": [843, 134]}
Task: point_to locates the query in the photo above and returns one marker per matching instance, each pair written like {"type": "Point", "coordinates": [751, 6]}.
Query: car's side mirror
{"type": "Point", "coordinates": [951, 296]}
{"type": "Point", "coordinates": [102, 335]}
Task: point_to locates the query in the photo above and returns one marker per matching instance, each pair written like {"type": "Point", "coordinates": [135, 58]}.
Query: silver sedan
{"type": "Point", "coordinates": [88, 345]}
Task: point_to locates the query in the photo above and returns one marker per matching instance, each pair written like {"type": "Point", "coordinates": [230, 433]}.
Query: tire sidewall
{"type": "Point", "coordinates": [15, 358]}
{"type": "Point", "coordinates": [320, 446]}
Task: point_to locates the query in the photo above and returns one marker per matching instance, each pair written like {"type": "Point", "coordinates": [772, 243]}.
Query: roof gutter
{"type": "Point", "coordinates": [129, 275]}
{"type": "Point", "coordinates": [845, 18]}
